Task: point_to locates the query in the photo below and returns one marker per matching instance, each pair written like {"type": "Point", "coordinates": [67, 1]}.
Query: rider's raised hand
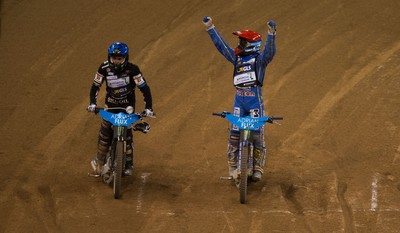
{"type": "Point", "coordinates": [208, 22]}
{"type": "Point", "coordinates": [271, 27]}
{"type": "Point", "coordinates": [148, 113]}
{"type": "Point", "coordinates": [91, 107]}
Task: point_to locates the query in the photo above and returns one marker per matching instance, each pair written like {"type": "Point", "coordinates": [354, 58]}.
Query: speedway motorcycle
{"type": "Point", "coordinates": [245, 167]}
{"type": "Point", "coordinates": [121, 122]}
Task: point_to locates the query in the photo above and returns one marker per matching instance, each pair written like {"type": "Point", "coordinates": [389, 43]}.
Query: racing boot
{"type": "Point", "coordinates": [128, 170]}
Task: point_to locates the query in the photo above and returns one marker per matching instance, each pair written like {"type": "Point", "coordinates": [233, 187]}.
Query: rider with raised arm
{"type": "Point", "coordinates": [121, 78]}
{"type": "Point", "coordinates": [248, 77]}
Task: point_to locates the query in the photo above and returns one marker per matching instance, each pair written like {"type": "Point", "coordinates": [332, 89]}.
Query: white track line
{"type": "Point", "coordinates": [374, 191]}
{"type": "Point", "coordinates": [397, 155]}
{"type": "Point", "coordinates": [143, 177]}
{"type": "Point", "coordinates": [284, 212]}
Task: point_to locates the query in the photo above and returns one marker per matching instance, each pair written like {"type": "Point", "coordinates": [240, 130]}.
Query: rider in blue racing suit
{"type": "Point", "coordinates": [248, 77]}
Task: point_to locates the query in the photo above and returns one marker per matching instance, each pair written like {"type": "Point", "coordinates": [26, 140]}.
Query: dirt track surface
{"type": "Point", "coordinates": [333, 166]}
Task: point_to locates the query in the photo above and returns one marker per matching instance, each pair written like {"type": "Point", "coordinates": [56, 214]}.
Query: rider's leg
{"type": "Point", "coordinates": [259, 144]}
{"type": "Point", "coordinates": [103, 144]}
{"type": "Point", "coordinates": [233, 146]}
{"type": "Point", "coordinates": [129, 155]}
{"type": "Point", "coordinates": [233, 150]}
{"type": "Point", "coordinates": [259, 154]}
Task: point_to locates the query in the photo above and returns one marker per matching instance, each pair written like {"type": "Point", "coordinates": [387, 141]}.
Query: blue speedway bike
{"type": "Point", "coordinates": [115, 160]}
{"type": "Point", "coordinates": [246, 127]}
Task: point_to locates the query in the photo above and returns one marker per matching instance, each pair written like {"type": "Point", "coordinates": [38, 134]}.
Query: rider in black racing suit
{"type": "Point", "coordinates": [121, 77]}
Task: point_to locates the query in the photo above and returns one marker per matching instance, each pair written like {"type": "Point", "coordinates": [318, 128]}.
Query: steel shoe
{"type": "Point", "coordinates": [97, 166]}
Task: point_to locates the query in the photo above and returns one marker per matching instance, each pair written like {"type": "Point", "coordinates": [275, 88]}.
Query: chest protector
{"type": "Point", "coordinates": [118, 86]}
{"type": "Point", "coordinates": [245, 74]}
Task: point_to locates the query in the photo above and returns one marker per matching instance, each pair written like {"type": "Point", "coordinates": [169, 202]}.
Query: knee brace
{"type": "Point", "coordinates": [259, 152]}
{"type": "Point", "coordinates": [233, 148]}
{"type": "Point", "coordinates": [129, 144]}
{"type": "Point", "coordinates": [129, 149]}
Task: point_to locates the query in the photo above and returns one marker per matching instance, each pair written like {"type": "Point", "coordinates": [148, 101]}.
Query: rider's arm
{"type": "Point", "coordinates": [97, 82]}
{"type": "Point", "coordinates": [266, 57]}
{"type": "Point", "coordinates": [94, 90]}
{"type": "Point", "coordinates": [221, 45]}
{"type": "Point", "coordinates": [143, 87]}
{"type": "Point", "coordinates": [147, 96]}
{"type": "Point", "coordinates": [269, 50]}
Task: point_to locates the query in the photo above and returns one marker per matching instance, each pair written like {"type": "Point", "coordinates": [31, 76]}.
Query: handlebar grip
{"type": "Point", "coordinates": [276, 118]}
{"type": "Point", "coordinates": [222, 114]}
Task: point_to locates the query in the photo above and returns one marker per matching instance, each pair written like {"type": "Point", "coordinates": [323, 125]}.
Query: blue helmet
{"type": "Point", "coordinates": [118, 49]}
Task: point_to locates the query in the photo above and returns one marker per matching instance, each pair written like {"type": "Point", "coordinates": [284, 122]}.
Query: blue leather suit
{"type": "Point", "coordinates": [248, 78]}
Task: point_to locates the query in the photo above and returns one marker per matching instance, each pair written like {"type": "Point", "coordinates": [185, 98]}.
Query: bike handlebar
{"type": "Point", "coordinates": [223, 115]}
{"type": "Point", "coordinates": [128, 110]}
{"type": "Point", "coordinates": [97, 110]}
{"type": "Point", "coordinates": [276, 118]}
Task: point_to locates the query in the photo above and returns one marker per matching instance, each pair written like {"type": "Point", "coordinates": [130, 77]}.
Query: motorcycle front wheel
{"type": "Point", "coordinates": [243, 173]}
{"type": "Point", "coordinates": [119, 150]}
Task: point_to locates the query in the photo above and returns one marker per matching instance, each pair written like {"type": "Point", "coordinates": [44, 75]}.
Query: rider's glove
{"type": "Point", "coordinates": [148, 112]}
{"type": "Point", "coordinates": [91, 107]}
{"type": "Point", "coordinates": [271, 27]}
{"type": "Point", "coordinates": [144, 127]}
{"type": "Point", "coordinates": [208, 22]}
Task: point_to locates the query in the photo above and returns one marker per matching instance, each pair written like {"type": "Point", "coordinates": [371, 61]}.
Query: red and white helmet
{"type": "Point", "coordinates": [249, 42]}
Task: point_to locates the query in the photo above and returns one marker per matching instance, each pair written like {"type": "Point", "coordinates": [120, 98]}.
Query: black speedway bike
{"type": "Point", "coordinates": [121, 122]}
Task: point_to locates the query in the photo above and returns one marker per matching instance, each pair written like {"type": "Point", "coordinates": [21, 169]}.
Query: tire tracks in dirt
{"type": "Point", "coordinates": [298, 140]}
{"type": "Point", "coordinates": [42, 203]}
{"type": "Point", "coordinates": [346, 209]}
{"type": "Point", "coordinates": [349, 80]}
{"type": "Point", "coordinates": [39, 191]}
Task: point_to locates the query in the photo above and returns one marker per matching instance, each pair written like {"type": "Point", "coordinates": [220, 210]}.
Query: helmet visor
{"type": "Point", "coordinates": [117, 59]}
{"type": "Point", "coordinates": [243, 43]}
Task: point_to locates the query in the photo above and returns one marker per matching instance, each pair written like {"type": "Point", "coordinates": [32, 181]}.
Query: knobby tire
{"type": "Point", "coordinates": [119, 150]}
{"type": "Point", "coordinates": [243, 173]}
